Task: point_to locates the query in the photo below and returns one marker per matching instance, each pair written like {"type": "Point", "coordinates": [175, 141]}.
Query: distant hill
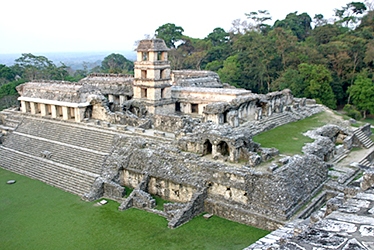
{"type": "Point", "coordinates": [71, 59]}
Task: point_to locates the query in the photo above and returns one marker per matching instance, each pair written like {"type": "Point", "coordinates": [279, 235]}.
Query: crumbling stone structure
{"type": "Point", "coordinates": [183, 136]}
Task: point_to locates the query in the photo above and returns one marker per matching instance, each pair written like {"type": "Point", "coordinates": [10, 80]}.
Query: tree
{"type": "Point", "coordinates": [117, 63]}
{"type": "Point", "coordinates": [311, 81]}
{"type": "Point", "coordinates": [349, 15]}
{"type": "Point", "coordinates": [362, 93]}
{"type": "Point", "coordinates": [6, 74]}
{"type": "Point", "coordinates": [218, 37]}
{"type": "Point", "coordinates": [170, 33]}
{"type": "Point", "coordinates": [31, 67]}
{"type": "Point", "coordinates": [319, 20]}
{"type": "Point", "coordinates": [300, 25]}
{"type": "Point", "coordinates": [259, 19]}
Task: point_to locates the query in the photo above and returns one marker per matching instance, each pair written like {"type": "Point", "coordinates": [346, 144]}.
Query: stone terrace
{"type": "Point", "coordinates": [61, 154]}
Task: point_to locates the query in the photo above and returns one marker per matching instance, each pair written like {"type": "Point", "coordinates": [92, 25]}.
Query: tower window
{"type": "Point", "coordinates": [144, 74]}
{"type": "Point", "coordinates": [162, 74]}
{"type": "Point", "coordinates": [144, 93]}
{"type": "Point", "coordinates": [145, 56]}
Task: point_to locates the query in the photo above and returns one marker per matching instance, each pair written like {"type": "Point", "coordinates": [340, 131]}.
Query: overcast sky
{"type": "Point", "coordinates": [36, 26]}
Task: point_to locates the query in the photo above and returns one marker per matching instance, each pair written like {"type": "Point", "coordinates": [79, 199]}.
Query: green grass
{"type": "Point", "coordinates": [289, 138]}
{"type": "Point", "coordinates": [369, 120]}
{"type": "Point", "coordinates": [34, 215]}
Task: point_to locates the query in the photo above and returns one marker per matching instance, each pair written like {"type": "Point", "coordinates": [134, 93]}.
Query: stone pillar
{"type": "Point", "coordinates": [234, 155]}
{"type": "Point", "coordinates": [66, 113]}
{"type": "Point", "coordinates": [122, 99]}
{"type": "Point", "coordinates": [54, 111]}
{"type": "Point", "coordinates": [110, 98]}
{"type": "Point", "coordinates": [214, 149]}
{"type": "Point", "coordinates": [23, 107]}
{"type": "Point", "coordinates": [43, 109]}
{"type": "Point", "coordinates": [79, 114]}
{"type": "Point", "coordinates": [33, 108]}
{"type": "Point", "coordinates": [187, 108]}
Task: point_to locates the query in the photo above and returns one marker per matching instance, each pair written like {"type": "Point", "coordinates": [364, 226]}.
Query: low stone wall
{"type": "Point", "coordinates": [193, 208]}
{"type": "Point", "coordinates": [169, 123]}
{"type": "Point", "coordinates": [241, 215]}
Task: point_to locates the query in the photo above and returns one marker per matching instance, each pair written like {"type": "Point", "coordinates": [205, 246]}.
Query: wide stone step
{"type": "Point", "coordinates": [68, 179]}
{"type": "Point", "coordinates": [82, 159]}
{"type": "Point", "coordinates": [82, 137]}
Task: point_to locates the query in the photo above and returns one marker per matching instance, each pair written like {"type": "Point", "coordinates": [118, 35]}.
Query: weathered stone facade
{"type": "Point", "coordinates": [183, 136]}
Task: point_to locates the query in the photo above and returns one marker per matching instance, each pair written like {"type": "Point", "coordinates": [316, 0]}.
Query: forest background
{"type": "Point", "coordinates": [331, 61]}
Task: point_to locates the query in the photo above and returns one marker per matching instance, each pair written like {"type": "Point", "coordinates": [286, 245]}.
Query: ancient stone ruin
{"type": "Point", "coordinates": [183, 136]}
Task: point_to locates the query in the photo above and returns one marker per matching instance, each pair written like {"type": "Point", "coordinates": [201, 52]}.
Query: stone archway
{"type": "Point", "coordinates": [223, 148]}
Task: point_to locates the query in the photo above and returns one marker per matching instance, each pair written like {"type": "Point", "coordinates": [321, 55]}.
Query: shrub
{"type": "Point", "coordinates": [352, 112]}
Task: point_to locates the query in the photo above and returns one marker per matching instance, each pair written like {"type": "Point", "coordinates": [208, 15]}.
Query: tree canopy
{"type": "Point", "coordinates": [316, 58]}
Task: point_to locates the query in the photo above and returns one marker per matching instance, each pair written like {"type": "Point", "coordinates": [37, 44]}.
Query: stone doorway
{"type": "Point", "coordinates": [223, 148]}
{"type": "Point", "coordinates": [207, 149]}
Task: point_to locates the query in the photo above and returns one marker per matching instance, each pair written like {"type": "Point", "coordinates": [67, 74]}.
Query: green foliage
{"type": "Point", "coordinates": [8, 94]}
{"type": "Point", "coordinates": [117, 63]}
{"type": "Point", "coordinates": [300, 25]}
{"type": "Point", "coordinates": [31, 67]}
{"type": "Point", "coordinates": [170, 33]}
{"type": "Point", "coordinates": [362, 93]}
{"type": "Point", "coordinates": [351, 111]}
{"type": "Point", "coordinates": [6, 74]}
{"type": "Point", "coordinates": [311, 81]}
{"type": "Point", "coordinates": [37, 216]}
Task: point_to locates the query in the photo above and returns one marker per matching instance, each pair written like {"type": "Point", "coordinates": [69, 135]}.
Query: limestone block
{"type": "Point", "coordinates": [254, 159]}
{"type": "Point", "coordinates": [268, 153]}
{"type": "Point", "coordinates": [368, 180]}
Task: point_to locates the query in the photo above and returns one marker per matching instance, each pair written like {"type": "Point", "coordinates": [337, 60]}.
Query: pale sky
{"type": "Point", "coordinates": [36, 26]}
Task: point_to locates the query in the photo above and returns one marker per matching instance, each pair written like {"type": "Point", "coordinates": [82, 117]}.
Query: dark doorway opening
{"type": "Point", "coordinates": [207, 148]}
{"type": "Point", "coordinates": [223, 148]}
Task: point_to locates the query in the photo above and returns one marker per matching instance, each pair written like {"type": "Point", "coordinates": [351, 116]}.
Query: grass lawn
{"type": "Point", "coordinates": [289, 138]}
{"type": "Point", "coordinates": [34, 215]}
{"type": "Point", "coordinates": [369, 120]}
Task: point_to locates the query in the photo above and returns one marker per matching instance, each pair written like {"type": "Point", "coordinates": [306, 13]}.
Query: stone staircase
{"type": "Point", "coordinates": [275, 120]}
{"type": "Point", "coordinates": [61, 176]}
{"type": "Point", "coordinates": [364, 139]}
{"type": "Point", "coordinates": [77, 135]}
{"type": "Point", "coordinates": [341, 156]}
{"type": "Point", "coordinates": [365, 163]}
{"type": "Point", "coordinates": [9, 121]}
{"type": "Point", "coordinates": [75, 153]}
{"type": "Point", "coordinates": [80, 158]}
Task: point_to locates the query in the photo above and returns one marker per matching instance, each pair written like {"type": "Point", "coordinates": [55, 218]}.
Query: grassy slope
{"type": "Point", "coordinates": [34, 215]}
{"type": "Point", "coordinates": [289, 138]}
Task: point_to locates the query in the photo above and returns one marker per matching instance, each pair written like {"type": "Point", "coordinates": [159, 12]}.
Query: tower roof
{"type": "Point", "coordinates": [152, 45]}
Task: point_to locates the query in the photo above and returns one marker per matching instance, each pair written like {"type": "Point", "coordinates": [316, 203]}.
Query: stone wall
{"type": "Point", "coordinates": [260, 199]}
{"type": "Point", "coordinates": [196, 78]}
{"type": "Point", "coordinates": [169, 123]}
{"type": "Point", "coordinates": [110, 84]}
{"type": "Point", "coordinates": [278, 194]}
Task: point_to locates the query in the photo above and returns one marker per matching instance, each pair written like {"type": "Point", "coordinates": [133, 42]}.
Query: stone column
{"type": "Point", "coordinates": [122, 99]}
{"type": "Point", "coordinates": [43, 109]}
{"type": "Point", "coordinates": [110, 98]}
{"type": "Point", "coordinates": [214, 149]}
{"type": "Point", "coordinates": [23, 107]}
{"type": "Point", "coordinates": [66, 113]}
{"type": "Point", "coordinates": [33, 108]}
{"type": "Point", "coordinates": [54, 111]}
{"type": "Point", "coordinates": [187, 108]}
{"type": "Point", "coordinates": [79, 114]}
